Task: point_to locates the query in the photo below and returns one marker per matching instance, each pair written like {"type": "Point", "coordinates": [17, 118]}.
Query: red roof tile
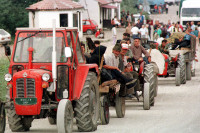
{"type": "Point", "coordinates": [55, 5]}
{"type": "Point", "coordinates": [103, 2]}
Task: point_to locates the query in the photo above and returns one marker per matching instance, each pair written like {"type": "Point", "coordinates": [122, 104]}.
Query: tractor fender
{"type": "Point", "coordinates": [80, 77]}
{"type": "Point", "coordinates": [141, 68]}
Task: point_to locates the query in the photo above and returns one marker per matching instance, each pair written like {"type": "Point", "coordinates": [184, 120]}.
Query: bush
{"type": "Point", "coordinates": [4, 64]}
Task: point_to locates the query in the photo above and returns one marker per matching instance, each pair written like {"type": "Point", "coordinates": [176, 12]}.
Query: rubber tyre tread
{"type": "Point", "coordinates": [188, 71]}
{"type": "Point", "coordinates": [104, 109]}
{"type": "Point", "coordinates": [65, 116]}
{"type": "Point", "coordinates": [16, 122]}
{"type": "Point", "coordinates": [52, 121]}
{"type": "Point", "coordinates": [3, 120]}
{"type": "Point", "coordinates": [178, 77]}
{"type": "Point", "coordinates": [83, 114]}
{"type": "Point", "coordinates": [120, 105]}
{"type": "Point", "coordinates": [182, 66]}
{"type": "Point", "coordinates": [149, 77]}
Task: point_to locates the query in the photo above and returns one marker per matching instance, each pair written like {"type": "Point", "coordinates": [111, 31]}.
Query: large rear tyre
{"type": "Point", "coordinates": [193, 68]}
{"type": "Point", "coordinates": [182, 66]}
{"type": "Point", "coordinates": [149, 77]}
{"type": "Point", "coordinates": [2, 118]}
{"type": "Point", "coordinates": [87, 106]}
{"type": "Point", "coordinates": [65, 116]}
{"type": "Point", "coordinates": [104, 110]}
{"type": "Point", "coordinates": [178, 77]}
{"type": "Point", "coordinates": [188, 71]}
{"type": "Point", "coordinates": [17, 123]}
{"type": "Point", "coordinates": [156, 86]}
{"type": "Point", "coordinates": [120, 106]}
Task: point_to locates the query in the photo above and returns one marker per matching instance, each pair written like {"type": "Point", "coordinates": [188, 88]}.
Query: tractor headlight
{"type": "Point", "coordinates": [45, 77]}
{"type": "Point", "coordinates": [8, 77]}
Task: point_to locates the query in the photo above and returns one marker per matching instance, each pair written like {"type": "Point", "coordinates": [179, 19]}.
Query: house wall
{"type": "Point", "coordinates": [43, 19]}
{"type": "Point", "coordinates": [92, 11]}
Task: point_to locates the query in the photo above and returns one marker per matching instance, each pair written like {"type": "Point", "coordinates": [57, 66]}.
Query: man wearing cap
{"type": "Point", "coordinates": [138, 50]}
{"type": "Point", "coordinates": [127, 68]}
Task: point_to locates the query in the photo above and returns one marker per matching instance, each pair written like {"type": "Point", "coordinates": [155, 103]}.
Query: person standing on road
{"type": "Point", "coordinates": [144, 33]}
{"type": "Point", "coordinates": [128, 29]}
{"type": "Point", "coordinates": [114, 34]}
{"type": "Point", "coordinates": [166, 7]}
{"type": "Point", "coordinates": [141, 18]}
{"type": "Point", "coordinates": [135, 31]}
{"type": "Point", "coordinates": [192, 25]}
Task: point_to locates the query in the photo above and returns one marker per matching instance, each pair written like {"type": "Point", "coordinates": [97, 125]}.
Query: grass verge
{"type": "Point", "coordinates": [4, 64]}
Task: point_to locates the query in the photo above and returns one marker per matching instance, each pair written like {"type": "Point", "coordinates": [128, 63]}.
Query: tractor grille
{"type": "Point", "coordinates": [20, 88]}
{"type": "Point", "coordinates": [30, 87]}
{"type": "Point", "coordinates": [25, 84]}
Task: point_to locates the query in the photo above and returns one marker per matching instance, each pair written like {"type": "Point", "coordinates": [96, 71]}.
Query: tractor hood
{"type": "Point", "coordinates": [28, 90]}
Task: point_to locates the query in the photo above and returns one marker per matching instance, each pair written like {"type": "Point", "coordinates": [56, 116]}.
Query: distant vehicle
{"type": "Point", "coordinates": [190, 11]}
{"type": "Point", "coordinates": [89, 26]}
{"type": "Point", "coordinates": [5, 37]}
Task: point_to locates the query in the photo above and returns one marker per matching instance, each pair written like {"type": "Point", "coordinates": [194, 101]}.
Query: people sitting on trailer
{"type": "Point", "coordinates": [186, 40]}
{"type": "Point", "coordinates": [115, 73]}
{"type": "Point", "coordinates": [164, 48]}
{"type": "Point", "coordinates": [138, 50]}
{"type": "Point", "coordinates": [127, 68]}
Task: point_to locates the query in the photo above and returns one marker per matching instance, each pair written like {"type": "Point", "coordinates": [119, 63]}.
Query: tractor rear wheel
{"type": "Point", "coordinates": [2, 118]}
{"type": "Point", "coordinates": [149, 77]}
{"type": "Point", "coordinates": [188, 71]}
{"type": "Point", "coordinates": [156, 86]}
{"type": "Point", "coordinates": [178, 76]}
{"type": "Point", "coordinates": [104, 110]}
{"type": "Point", "coordinates": [182, 66]}
{"type": "Point", "coordinates": [87, 106]}
{"type": "Point", "coordinates": [17, 123]}
{"type": "Point", "coordinates": [65, 116]}
{"type": "Point", "coordinates": [120, 106]}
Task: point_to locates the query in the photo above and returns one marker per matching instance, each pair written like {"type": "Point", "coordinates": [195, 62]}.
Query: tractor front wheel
{"type": "Point", "coordinates": [87, 106]}
{"type": "Point", "coordinates": [104, 110]}
{"type": "Point", "coordinates": [65, 116]}
{"type": "Point", "coordinates": [2, 118]}
{"type": "Point", "coordinates": [17, 123]}
{"type": "Point", "coordinates": [52, 120]}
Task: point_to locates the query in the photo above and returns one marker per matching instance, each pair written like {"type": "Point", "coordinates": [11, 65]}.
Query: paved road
{"type": "Point", "coordinates": [176, 110]}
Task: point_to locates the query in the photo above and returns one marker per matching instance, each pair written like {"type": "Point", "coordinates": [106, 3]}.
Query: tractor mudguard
{"type": "Point", "coordinates": [141, 68]}
{"type": "Point", "coordinates": [166, 65]}
{"type": "Point", "coordinates": [81, 75]}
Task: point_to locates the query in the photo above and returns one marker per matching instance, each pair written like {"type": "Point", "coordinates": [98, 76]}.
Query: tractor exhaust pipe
{"type": "Point", "coordinates": [54, 73]}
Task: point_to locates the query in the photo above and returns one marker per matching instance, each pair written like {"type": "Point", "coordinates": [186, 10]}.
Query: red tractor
{"type": "Point", "coordinates": [48, 77]}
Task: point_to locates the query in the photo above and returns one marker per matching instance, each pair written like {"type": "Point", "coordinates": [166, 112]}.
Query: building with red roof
{"type": "Point", "coordinates": [66, 12]}
{"type": "Point", "coordinates": [101, 11]}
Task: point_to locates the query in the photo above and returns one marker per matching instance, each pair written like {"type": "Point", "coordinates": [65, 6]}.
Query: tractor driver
{"type": "Point", "coordinates": [138, 50]}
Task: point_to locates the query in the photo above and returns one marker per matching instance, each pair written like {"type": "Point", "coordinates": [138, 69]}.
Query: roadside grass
{"type": "Point", "coordinates": [4, 64]}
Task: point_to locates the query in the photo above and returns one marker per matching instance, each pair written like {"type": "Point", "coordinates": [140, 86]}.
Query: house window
{"type": "Point", "coordinates": [63, 20]}
{"type": "Point", "coordinates": [75, 20]}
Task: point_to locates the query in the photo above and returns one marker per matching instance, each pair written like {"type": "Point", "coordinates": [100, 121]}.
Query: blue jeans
{"type": "Point", "coordinates": [134, 36]}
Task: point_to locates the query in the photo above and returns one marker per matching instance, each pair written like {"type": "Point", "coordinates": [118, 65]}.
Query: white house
{"type": "Point", "coordinates": [66, 12]}
{"type": "Point", "coordinates": [101, 11]}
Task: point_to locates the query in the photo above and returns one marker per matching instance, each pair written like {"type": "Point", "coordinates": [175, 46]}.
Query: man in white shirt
{"type": "Point", "coordinates": [114, 34]}
{"type": "Point", "coordinates": [192, 26]}
{"type": "Point", "coordinates": [135, 31]}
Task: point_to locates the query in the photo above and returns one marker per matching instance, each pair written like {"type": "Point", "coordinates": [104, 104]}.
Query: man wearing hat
{"type": "Point", "coordinates": [138, 50]}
